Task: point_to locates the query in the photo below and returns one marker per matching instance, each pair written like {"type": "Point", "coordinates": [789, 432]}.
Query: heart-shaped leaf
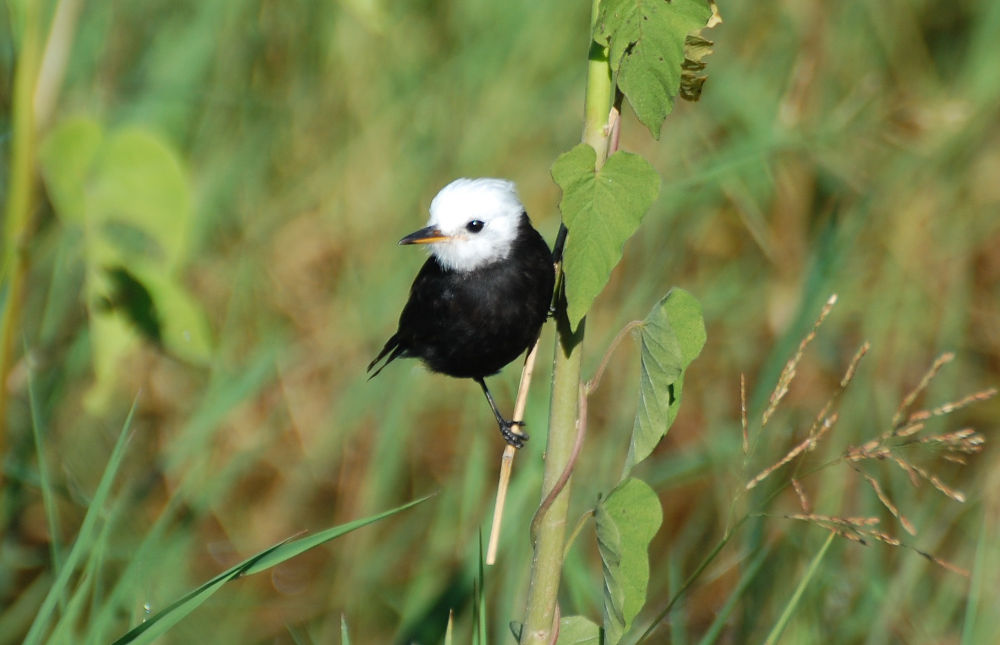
{"type": "Point", "coordinates": [601, 210]}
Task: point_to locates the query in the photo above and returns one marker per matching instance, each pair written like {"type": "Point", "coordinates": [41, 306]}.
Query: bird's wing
{"type": "Point", "coordinates": [420, 318]}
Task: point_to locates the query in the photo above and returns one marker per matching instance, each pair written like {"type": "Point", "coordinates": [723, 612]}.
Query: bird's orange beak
{"type": "Point", "coordinates": [426, 235]}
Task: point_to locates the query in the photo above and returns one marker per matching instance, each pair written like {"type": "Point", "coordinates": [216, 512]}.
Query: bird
{"type": "Point", "coordinates": [481, 298]}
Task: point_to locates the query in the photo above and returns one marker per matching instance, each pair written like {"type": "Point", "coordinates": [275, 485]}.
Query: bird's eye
{"type": "Point", "coordinates": [475, 226]}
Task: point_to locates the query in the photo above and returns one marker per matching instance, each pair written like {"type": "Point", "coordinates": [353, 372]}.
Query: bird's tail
{"type": "Point", "coordinates": [392, 349]}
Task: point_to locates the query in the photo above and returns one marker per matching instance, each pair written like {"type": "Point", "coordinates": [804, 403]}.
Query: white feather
{"type": "Point", "coordinates": [494, 202]}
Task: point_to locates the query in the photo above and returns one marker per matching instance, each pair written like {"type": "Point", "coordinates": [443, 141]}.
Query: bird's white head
{"type": "Point", "coordinates": [473, 222]}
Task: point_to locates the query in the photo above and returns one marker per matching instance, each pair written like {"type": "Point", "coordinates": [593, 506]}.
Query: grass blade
{"type": "Point", "coordinates": [44, 484]}
{"type": "Point", "coordinates": [479, 619]}
{"type": "Point", "coordinates": [722, 617]}
{"type": "Point", "coordinates": [162, 621]}
{"type": "Point", "coordinates": [971, 623]}
{"type": "Point", "coordinates": [449, 632]}
{"type": "Point", "coordinates": [83, 539]}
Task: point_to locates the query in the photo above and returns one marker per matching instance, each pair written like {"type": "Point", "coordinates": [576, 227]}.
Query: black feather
{"type": "Point", "coordinates": [469, 324]}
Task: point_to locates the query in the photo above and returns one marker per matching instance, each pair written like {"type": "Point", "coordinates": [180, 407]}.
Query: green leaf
{"type": "Point", "coordinates": [112, 337]}
{"type": "Point", "coordinates": [577, 630]}
{"type": "Point", "coordinates": [66, 157]}
{"type": "Point", "coordinates": [159, 623]}
{"type": "Point", "coordinates": [140, 185]}
{"type": "Point", "coordinates": [184, 329]}
{"type": "Point", "coordinates": [646, 39]}
{"type": "Point", "coordinates": [601, 210]}
{"type": "Point", "coordinates": [129, 193]}
{"type": "Point", "coordinates": [129, 296]}
{"type": "Point", "coordinates": [671, 336]}
{"type": "Point", "coordinates": [626, 521]}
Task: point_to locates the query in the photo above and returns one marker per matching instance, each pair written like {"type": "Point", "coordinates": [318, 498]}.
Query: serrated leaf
{"type": "Point", "coordinates": [626, 522]}
{"type": "Point", "coordinates": [646, 41]}
{"type": "Point", "coordinates": [601, 210]}
{"type": "Point", "coordinates": [160, 622]}
{"type": "Point", "coordinates": [671, 336]}
{"type": "Point", "coordinates": [577, 630]}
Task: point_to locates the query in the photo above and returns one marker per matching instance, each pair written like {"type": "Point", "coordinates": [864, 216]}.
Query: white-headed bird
{"type": "Point", "coordinates": [481, 298]}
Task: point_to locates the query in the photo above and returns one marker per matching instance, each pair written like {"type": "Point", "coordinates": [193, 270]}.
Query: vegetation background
{"type": "Point", "coordinates": [850, 148]}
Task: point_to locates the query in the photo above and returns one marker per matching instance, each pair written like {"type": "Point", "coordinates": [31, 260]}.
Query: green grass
{"type": "Point", "coordinates": [848, 149]}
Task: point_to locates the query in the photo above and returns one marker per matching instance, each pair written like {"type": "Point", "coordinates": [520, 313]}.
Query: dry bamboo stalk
{"type": "Point", "coordinates": [507, 460]}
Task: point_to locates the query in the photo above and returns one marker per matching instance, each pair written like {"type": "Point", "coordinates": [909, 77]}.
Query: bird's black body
{"type": "Point", "coordinates": [470, 324]}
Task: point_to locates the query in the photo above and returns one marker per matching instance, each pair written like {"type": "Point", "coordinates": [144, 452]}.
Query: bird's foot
{"type": "Point", "coordinates": [515, 439]}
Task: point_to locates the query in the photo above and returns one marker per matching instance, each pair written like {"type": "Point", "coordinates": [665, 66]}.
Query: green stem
{"type": "Point", "coordinates": [549, 543]}
{"type": "Point", "coordinates": [19, 197]}
{"type": "Point", "coordinates": [707, 560]}
{"type": "Point", "coordinates": [546, 565]}
{"type": "Point", "coordinates": [793, 603]}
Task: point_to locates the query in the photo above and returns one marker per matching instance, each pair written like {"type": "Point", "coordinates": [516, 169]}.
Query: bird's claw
{"type": "Point", "coordinates": [515, 439]}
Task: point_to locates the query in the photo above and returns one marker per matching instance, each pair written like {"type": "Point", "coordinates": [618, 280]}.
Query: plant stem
{"type": "Point", "coordinates": [546, 565]}
{"type": "Point", "coordinates": [507, 459]}
{"type": "Point", "coordinates": [793, 603]}
{"type": "Point", "coordinates": [19, 197]}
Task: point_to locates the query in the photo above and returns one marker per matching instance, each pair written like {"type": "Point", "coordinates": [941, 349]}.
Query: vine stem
{"type": "Point", "coordinates": [581, 431]}
{"type": "Point", "coordinates": [594, 382]}
{"type": "Point", "coordinates": [540, 625]}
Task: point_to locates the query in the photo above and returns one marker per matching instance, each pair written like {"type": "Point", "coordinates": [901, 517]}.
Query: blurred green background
{"type": "Point", "coordinates": [849, 148]}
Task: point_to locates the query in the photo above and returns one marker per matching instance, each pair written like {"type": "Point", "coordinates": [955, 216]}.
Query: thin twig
{"type": "Point", "coordinates": [507, 459]}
